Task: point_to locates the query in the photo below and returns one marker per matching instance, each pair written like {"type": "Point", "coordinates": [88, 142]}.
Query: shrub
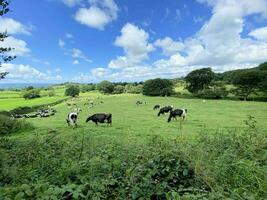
{"type": "Point", "coordinates": [134, 89]}
{"type": "Point", "coordinates": [119, 89]}
{"type": "Point", "coordinates": [106, 87]}
{"type": "Point", "coordinates": [72, 90]}
{"type": "Point", "coordinates": [87, 88]}
{"type": "Point", "coordinates": [51, 92]}
{"type": "Point", "coordinates": [31, 94]}
{"type": "Point", "coordinates": [213, 93]}
{"type": "Point", "coordinates": [158, 87]}
{"type": "Point", "coordinates": [8, 125]}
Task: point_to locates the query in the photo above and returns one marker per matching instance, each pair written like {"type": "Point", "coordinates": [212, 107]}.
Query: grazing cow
{"type": "Point", "coordinates": [100, 118]}
{"type": "Point", "coordinates": [72, 119]}
{"type": "Point", "coordinates": [165, 109]}
{"type": "Point", "coordinates": [156, 107]}
{"type": "Point", "coordinates": [177, 113]}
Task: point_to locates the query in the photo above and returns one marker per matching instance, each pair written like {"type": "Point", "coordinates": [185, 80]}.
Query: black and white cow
{"type": "Point", "coordinates": [177, 113]}
{"type": "Point", "coordinates": [156, 107]}
{"type": "Point", "coordinates": [100, 118]}
{"type": "Point", "coordinates": [165, 109]}
{"type": "Point", "coordinates": [72, 119]}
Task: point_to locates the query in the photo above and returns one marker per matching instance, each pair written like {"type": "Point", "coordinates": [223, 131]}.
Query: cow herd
{"type": "Point", "coordinates": [97, 118]}
{"type": "Point", "coordinates": [43, 112]}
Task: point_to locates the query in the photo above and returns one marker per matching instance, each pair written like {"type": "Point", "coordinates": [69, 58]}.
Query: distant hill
{"type": "Point", "coordinates": [228, 75]}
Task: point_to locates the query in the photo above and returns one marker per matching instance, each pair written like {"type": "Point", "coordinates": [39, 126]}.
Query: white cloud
{"type": "Point", "coordinates": [134, 42]}
{"type": "Point", "coordinates": [71, 3]}
{"type": "Point", "coordinates": [259, 34]}
{"type": "Point", "coordinates": [98, 15]}
{"type": "Point", "coordinates": [95, 74]}
{"type": "Point", "coordinates": [219, 43]}
{"type": "Point", "coordinates": [61, 43]}
{"type": "Point", "coordinates": [68, 35]}
{"type": "Point", "coordinates": [77, 53]}
{"type": "Point", "coordinates": [23, 73]}
{"type": "Point", "coordinates": [75, 62]}
{"type": "Point", "coordinates": [20, 73]}
{"type": "Point", "coordinates": [20, 46]}
{"type": "Point", "coordinates": [169, 46]}
{"type": "Point", "coordinates": [13, 27]}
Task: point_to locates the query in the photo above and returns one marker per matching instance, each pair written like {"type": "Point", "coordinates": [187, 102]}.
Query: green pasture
{"type": "Point", "coordinates": [11, 103]}
{"type": "Point", "coordinates": [132, 121]}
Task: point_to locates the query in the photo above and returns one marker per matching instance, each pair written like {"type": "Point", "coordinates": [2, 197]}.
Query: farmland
{"type": "Point", "coordinates": [83, 162]}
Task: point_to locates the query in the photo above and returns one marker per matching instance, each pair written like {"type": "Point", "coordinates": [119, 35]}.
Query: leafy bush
{"type": "Point", "coordinates": [72, 90]}
{"type": "Point", "coordinates": [87, 88]}
{"type": "Point", "coordinates": [8, 125]}
{"type": "Point", "coordinates": [106, 87]}
{"type": "Point", "coordinates": [31, 94]}
{"type": "Point", "coordinates": [134, 89]}
{"type": "Point", "coordinates": [213, 93]}
{"type": "Point", "coordinates": [119, 89]}
{"type": "Point", "coordinates": [51, 92]}
{"type": "Point", "coordinates": [158, 87]}
{"type": "Point", "coordinates": [220, 165]}
{"type": "Point", "coordinates": [22, 110]}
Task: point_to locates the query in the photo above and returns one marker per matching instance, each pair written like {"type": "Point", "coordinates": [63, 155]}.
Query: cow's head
{"type": "Point", "coordinates": [88, 119]}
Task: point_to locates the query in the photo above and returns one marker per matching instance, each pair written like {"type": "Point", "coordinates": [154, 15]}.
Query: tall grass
{"type": "Point", "coordinates": [225, 164]}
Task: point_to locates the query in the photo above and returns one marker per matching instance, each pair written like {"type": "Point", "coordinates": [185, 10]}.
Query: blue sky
{"type": "Point", "coordinates": [123, 40]}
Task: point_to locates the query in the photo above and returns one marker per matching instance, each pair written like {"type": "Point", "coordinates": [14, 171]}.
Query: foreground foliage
{"type": "Point", "coordinates": [226, 164]}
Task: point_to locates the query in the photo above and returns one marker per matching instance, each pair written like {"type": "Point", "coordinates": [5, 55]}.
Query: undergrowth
{"type": "Point", "coordinates": [225, 164]}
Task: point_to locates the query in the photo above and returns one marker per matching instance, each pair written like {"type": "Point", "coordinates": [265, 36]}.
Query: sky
{"type": "Point", "coordinates": [89, 41]}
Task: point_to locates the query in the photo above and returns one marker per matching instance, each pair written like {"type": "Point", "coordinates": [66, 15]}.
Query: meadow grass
{"type": "Point", "coordinates": [11, 103]}
{"type": "Point", "coordinates": [225, 155]}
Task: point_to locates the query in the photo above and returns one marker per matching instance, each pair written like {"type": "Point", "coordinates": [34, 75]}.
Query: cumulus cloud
{"type": "Point", "coordinates": [219, 43]}
{"type": "Point", "coordinates": [13, 27]}
{"type": "Point", "coordinates": [23, 73]}
{"type": "Point", "coordinates": [134, 42]}
{"type": "Point", "coordinates": [26, 73]}
{"type": "Point", "coordinates": [169, 46]}
{"type": "Point", "coordinates": [259, 34]}
{"type": "Point", "coordinates": [19, 46]}
{"type": "Point", "coordinates": [95, 74]}
{"type": "Point", "coordinates": [98, 15]}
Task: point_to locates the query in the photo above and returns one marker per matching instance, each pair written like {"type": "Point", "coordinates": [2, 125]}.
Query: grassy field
{"type": "Point", "coordinates": [11, 103]}
{"type": "Point", "coordinates": [130, 120]}
{"type": "Point", "coordinates": [101, 162]}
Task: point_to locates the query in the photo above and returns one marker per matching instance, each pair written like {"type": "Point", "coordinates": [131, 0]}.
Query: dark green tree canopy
{"type": "Point", "coordinates": [72, 90]}
{"type": "Point", "coordinates": [199, 79]}
{"type": "Point", "coordinates": [158, 87]}
{"type": "Point", "coordinates": [106, 87]}
{"type": "Point", "coordinates": [4, 8]}
{"type": "Point", "coordinates": [247, 82]}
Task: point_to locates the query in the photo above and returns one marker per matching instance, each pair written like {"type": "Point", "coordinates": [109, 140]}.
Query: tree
{"type": "Point", "coordinates": [87, 88]}
{"type": "Point", "coordinates": [31, 94]}
{"type": "Point", "coordinates": [4, 8]}
{"type": "Point", "coordinates": [106, 87]}
{"type": "Point", "coordinates": [119, 89]}
{"type": "Point", "coordinates": [247, 82]}
{"type": "Point", "coordinates": [198, 79]}
{"type": "Point", "coordinates": [72, 90]}
{"type": "Point", "coordinates": [158, 87]}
